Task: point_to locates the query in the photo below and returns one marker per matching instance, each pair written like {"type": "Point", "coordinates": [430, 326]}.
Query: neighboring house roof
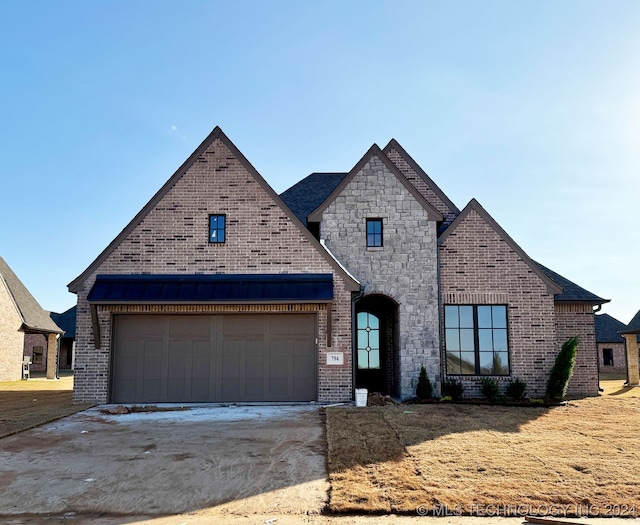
{"type": "Point", "coordinates": [474, 205]}
{"type": "Point", "coordinates": [634, 326]}
{"type": "Point", "coordinates": [66, 321]}
{"type": "Point", "coordinates": [306, 195]}
{"type": "Point", "coordinates": [375, 151]}
{"type": "Point", "coordinates": [608, 329]}
{"type": "Point", "coordinates": [571, 292]}
{"type": "Point", "coordinates": [76, 285]}
{"type": "Point", "coordinates": [32, 314]}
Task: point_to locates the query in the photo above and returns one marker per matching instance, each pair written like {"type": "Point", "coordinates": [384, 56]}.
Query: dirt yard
{"type": "Point", "coordinates": [580, 459]}
{"type": "Point", "coordinates": [27, 404]}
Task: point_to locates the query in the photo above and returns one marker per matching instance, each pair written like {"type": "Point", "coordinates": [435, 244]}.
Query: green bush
{"type": "Point", "coordinates": [424, 390]}
{"type": "Point", "coordinates": [452, 388]}
{"type": "Point", "coordinates": [562, 370]}
{"type": "Point", "coordinates": [516, 389]}
{"type": "Point", "coordinates": [490, 389]}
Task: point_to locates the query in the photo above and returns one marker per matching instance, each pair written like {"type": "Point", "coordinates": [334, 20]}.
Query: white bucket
{"type": "Point", "coordinates": [361, 397]}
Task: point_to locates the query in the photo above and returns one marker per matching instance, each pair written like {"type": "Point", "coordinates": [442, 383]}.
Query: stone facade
{"type": "Point", "coordinates": [11, 338]}
{"type": "Point", "coordinates": [479, 266]}
{"type": "Point", "coordinates": [404, 269]}
{"type": "Point", "coordinates": [172, 238]}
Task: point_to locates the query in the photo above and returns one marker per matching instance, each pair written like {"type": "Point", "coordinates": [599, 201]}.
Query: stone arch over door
{"type": "Point", "coordinates": [376, 352]}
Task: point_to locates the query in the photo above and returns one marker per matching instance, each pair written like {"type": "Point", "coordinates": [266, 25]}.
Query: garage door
{"type": "Point", "coordinates": [215, 358]}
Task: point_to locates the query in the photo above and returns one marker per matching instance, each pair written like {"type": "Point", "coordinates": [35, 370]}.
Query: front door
{"type": "Point", "coordinates": [370, 358]}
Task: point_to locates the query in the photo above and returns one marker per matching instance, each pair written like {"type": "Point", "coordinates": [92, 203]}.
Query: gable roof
{"type": "Point", "coordinates": [375, 151]}
{"type": "Point", "coordinates": [32, 314]}
{"type": "Point", "coordinates": [474, 205]}
{"type": "Point", "coordinates": [634, 326]}
{"type": "Point", "coordinates": [306, 195]}
{"type": "Point", "coordinates": [571, 292]}
{"type": "Point", "coordinates": [395, 145]}
{"type": "Point", "coordinates": [66, 321]}
{"type": "Point", "coordinates": [217, 133]}
{"type": "Point", "coordinates": [608, 329]}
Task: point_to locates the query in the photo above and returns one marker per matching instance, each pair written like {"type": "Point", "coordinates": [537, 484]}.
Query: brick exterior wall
{"type": "Point", "coordinates": [478, 266]}
{"type": "Point", "coordinates": [173, 239]}
{"type": "Point", "coordinates": [419, 183]}
{"type": "Point", "coordinates": [11, 338]}
{"type": "Point", "coordinates": [31, 340]}
{"type": "Point", "coordinates": [579, 320]}
{"type": "Point", "coordinates": [619, 358]}
{"type": "Point", "coordinates": [404, 269]}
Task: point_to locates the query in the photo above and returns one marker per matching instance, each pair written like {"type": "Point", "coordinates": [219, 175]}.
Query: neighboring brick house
{"type": "Point", "coordinates": [611, 350]}
{"type": "Point", "coordinates": [26, 330]}
{"type": "Point", "coordinates": [631, 336]}
{"type": "Point", "coordinates": [67, 322]}
{"type": "Point", "coordinates": [220, 290]}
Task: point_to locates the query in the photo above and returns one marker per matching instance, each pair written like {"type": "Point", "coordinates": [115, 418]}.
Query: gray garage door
{"type": "Point", "coordinates": [214, 358]}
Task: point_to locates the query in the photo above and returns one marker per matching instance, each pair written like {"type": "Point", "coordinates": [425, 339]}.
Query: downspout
{"type": "Point", "coordinates": [354, 335]}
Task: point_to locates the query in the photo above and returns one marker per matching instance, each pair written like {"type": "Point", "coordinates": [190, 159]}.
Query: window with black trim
{"type": "Point", "coordinates": [476, 340]}
{"type": "Point", "coordinates": [37, 354]}
{"type": "Point", "coordinates": [374, 233]}
{"type": "Point", "coordinates": [607, 356]}
{"type": "Point", "coordinates": [217, 228]}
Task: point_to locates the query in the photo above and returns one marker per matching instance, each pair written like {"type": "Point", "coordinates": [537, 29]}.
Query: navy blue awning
{"type": "Point", "coordinates": [237, 288]}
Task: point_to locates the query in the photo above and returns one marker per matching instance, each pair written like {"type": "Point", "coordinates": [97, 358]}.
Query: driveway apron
{"type": "Point", "coordinates": [252, 458]}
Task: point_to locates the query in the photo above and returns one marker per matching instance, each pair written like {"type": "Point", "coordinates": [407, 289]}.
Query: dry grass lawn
{"type": "Point", "coordinates": [28, 404]}
{"type": "Point", "coordinates": [578, 459]}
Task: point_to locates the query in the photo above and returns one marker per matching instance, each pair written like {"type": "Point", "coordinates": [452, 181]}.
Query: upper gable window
{"type": "Point", "coordinates": [374, 233]}
{"type": "Point", "coordinates": [217, 228]}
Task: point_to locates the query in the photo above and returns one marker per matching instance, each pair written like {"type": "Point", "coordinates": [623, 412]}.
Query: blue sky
{"type": "Point", "coordinates": [533, 108]}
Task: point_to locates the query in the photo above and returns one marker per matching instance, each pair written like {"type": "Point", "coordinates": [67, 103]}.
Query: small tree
{"type": "Point", "coordinates": [490, 389]}
{"type": "Point", "coordinates": [424, 390]}
{"type": "Point", "coordinates": [562, 370]}
{"type": "Point", "coordinates": [452, 388]}
{"type": "Point", "coordinates": [516, 389]}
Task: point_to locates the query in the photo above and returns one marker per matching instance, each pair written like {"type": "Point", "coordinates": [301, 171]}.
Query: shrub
{"type": "Point", "coordinates": [516, 389]}
{"type": "Point", "coordinates": [424, 390]}
{"type": "Point", "coordinates": [490, 389]}
{"type": "Point", "coordinates": [452, 388]}
{"type": "Point", "coordinates": [562, 370]}
{"type": "Point", "coordinates": [446, 399]}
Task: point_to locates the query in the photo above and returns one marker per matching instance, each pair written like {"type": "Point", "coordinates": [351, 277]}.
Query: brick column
{"type": "Point", "coordinates": [52, 356]}
{"type": "Point", "coordinates": [632, 359]}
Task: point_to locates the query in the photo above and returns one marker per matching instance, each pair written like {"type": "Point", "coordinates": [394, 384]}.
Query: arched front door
{"type": "Point", "coordinates": [375, 343]}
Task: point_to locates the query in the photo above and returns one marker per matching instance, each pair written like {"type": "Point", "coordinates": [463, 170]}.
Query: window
{"type": "Point", "coordinates": [38, 352]}
{"type": "Point", "coordinates": [368, 341]}
{"type": "Point", "coordinates": [476, 340]}
{"type": "Point", "coordinates": [374, 233]}
{"type": "Point", "coordinates": [217, 228]}
{"type": "Point", "coordinates": [607, 356]}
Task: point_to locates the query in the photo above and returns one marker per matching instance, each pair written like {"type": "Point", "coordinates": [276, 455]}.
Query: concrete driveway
{"type": "Point", "coordinates": [254, 459]}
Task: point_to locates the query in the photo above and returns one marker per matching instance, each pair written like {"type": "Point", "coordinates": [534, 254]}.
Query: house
{"type": "Point", "coordinates": [611, 350]}
{"type": "Point", "coordinates": [67, 322]}
{"type": "Point", "coordinates": [221, 290]}
{"type": "Point", "coordinates": [631, 335]}
{"type": "Point", "coordinates": [26, 330]}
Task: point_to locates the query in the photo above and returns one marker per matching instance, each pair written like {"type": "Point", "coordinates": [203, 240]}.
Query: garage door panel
{"type": "Point", "coordinates": [215, 358]}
